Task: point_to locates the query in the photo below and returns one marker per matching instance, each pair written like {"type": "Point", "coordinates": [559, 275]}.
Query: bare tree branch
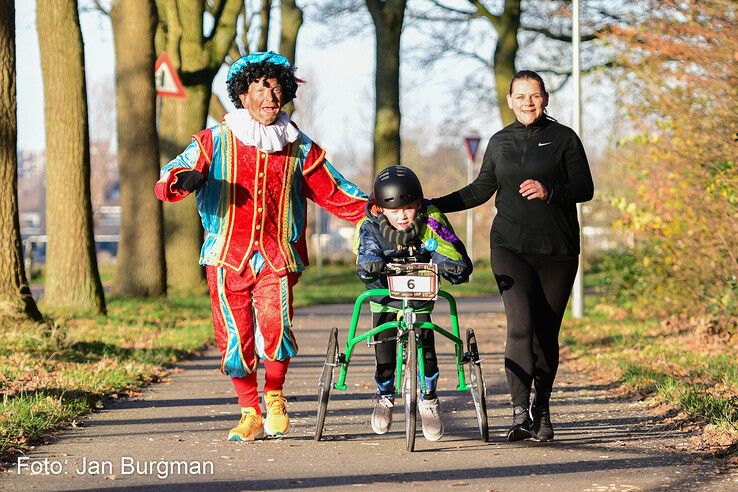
{"type": "Point", "coordinates": [558, 87]}
{"type": "Point", "coordinates": [348, 18]}
{"type": "Point", "coordinates": [567, 73]}
{"type": "Point", "coordinates": [422, 16]}
{"type": "Point", "coordinates": [266, 16]}
{"type": "Point", "coordinates": [213, 6]}
{"type": "Point", "coordinates": [338, 8]}
{"type": "Point", "coordinates": [373, 5]}
{"type": "Point", "coordinates": [216, 108]}
{"type": "Point", "coordinates": [610, 17]}
{"type": "Point", "coordinates": [234, 53]}
{"type": "Point", "coordinates": [216, 10]}
{"type": "Point", "coordinates": [448, 43]}
{"type": "Point", "coordinates": [222, 31]}
{"type": "Point", "coordinates": [451, 9]}
{"type": "Point", "coordinates": [248, 22]}
{"type": "Point", "coordinates": [482, 11]}
{"type": "Point", "coordinates": [563, 37]}
{"type": "Point", "coordinates": [470, 55]}
{"type": "Point", "coordinates": [101, 8]}
{"type": "Point", "coordinates": [168, 9]}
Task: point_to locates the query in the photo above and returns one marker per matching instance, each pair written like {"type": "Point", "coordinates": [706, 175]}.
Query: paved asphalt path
{"type": "Point", "coordinates": [602, 443]}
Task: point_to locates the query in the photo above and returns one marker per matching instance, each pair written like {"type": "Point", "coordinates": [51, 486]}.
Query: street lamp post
{"type": "Point", "coordinates": [577, 295]}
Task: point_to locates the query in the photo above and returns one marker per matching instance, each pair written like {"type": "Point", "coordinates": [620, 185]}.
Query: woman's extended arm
{"type": "Point", "coordinates": [475, 193]}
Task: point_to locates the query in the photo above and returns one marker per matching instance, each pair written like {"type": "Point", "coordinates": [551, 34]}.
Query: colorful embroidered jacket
{"type": "Point", "coordinates": [253, 202]}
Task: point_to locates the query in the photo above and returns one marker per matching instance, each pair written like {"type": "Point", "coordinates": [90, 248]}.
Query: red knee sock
{"type": "Point", "coordinates": [276, 371]}
{"type": "Point", "coordinates": [247, 391]}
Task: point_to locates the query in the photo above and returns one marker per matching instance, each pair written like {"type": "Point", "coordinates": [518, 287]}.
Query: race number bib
{"type": "Point", "coordinates": [415, 281]}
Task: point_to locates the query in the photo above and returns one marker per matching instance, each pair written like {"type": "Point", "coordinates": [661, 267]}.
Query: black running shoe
{"type": "Point", "coordinates": [541, 426]}
{"type": "Point", "coordinates": [521, 425]}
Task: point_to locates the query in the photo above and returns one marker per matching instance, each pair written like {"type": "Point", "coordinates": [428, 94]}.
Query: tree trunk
{"type": "Point", "coordinates": [179, 120]}
{"type": "Point", "coordinates": [388, 17]}
{"type": "Point", "coordinates": [266, 15]}
{"type": "Point", "coordinates": [216, 109]}
{"type": "Point", "coordinates": [506, 51]}
{"type": "Point", "coordinates": [291, 23]}
{"type": "Point", "coordinates": [141, 270]}
{"type": "Point", "coordinates": [16, 301]}
{"type": "Point", "coordinates": [197, 58]}
{"type": "Point", "coordinates": [72, 278]}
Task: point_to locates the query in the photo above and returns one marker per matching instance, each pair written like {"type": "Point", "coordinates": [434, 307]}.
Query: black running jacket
{"type": "Point", "coordinates": [548, 152]}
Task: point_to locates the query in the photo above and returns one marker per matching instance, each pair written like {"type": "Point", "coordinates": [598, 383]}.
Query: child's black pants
{"type": "Point", "coordinates": [385, 352]}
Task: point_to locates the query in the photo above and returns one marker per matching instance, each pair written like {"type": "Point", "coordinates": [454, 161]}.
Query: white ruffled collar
{"type": "Point", "coordinates": [268, 139]}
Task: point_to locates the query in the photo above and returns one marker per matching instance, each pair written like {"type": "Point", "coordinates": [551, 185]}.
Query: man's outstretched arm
{"type": "Point", "coordinates": [328, 188]}
{"type": "Point", "coordinates": [186, 172]}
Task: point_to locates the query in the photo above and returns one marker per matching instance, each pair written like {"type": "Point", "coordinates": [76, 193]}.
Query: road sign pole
{"type": "Point", "coordinates": [158, 112]}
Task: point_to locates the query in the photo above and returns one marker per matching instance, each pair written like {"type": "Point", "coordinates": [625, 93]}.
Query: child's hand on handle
{"type": "Point", "coordinates": [370, 270]}
{"type": "Point", "coordinates": [451, 268]}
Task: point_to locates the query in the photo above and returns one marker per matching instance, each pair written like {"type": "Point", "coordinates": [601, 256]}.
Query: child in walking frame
{"type": "Point", "coordinates": [397, 218]}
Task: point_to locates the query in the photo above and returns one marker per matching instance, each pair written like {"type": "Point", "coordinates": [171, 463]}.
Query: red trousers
{"type": "Point", "coordinates": [252, 317]}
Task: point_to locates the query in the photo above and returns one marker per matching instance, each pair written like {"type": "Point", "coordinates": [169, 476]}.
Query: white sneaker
{"type": "Point", "coordinates": [430, 416]}
{"type": "Point", "coordinates": [382, 413]}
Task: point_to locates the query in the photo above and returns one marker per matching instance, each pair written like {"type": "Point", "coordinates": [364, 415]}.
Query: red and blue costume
{"type": "Point", "coordinates": [253, 210]}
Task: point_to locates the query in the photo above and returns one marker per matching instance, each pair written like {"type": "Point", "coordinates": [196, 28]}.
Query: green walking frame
{"type": "Point", "coordinates": [410, 361]}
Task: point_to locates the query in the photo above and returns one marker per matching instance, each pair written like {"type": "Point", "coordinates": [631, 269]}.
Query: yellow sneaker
{"type": "Point", "coordinates": [250, 428]}
{"type": "Point", "coordinates": [277, 421]}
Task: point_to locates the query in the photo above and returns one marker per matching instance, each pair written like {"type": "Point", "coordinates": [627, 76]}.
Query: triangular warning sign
{"type": "Point", "coordinates": [472, 145]}
{"type": "Point", "coordinates": [166, 78]}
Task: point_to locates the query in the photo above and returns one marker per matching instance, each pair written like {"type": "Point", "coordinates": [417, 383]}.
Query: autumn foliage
{"type": "Point", "coordinates": [679, 164]}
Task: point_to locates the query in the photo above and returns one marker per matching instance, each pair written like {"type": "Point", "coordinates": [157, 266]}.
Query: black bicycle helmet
{"type": "Point", "coordinates": [397, 186]}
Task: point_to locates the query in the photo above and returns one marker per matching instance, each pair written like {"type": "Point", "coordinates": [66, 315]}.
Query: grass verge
{"type": "Point", "coordinates": [677, 363]}
{"type": "Point", "coordinates": [52, 373]}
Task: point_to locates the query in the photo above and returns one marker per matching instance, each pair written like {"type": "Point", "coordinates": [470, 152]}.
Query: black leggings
{"type": "Point", "coordinates": [535, 291]}
{"type": "Point", "coordinates": [386, 352]}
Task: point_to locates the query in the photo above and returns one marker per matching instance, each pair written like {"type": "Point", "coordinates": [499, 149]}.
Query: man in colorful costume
{"type": "Point", "coordinates": [251, 175]}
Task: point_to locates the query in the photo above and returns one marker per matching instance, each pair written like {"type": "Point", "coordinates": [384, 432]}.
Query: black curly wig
{"type": "Point", "coordinates": [240, 82]}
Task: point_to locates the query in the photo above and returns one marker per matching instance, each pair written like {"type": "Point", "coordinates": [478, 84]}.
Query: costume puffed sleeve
{"type": "Point", "coordinates": [324, 185]}
{"type": "Point", "coordinates": [195, 157]}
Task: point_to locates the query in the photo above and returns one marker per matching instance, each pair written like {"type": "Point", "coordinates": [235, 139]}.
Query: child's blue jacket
{"type": "Point", "coordinates": [370, 246]}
